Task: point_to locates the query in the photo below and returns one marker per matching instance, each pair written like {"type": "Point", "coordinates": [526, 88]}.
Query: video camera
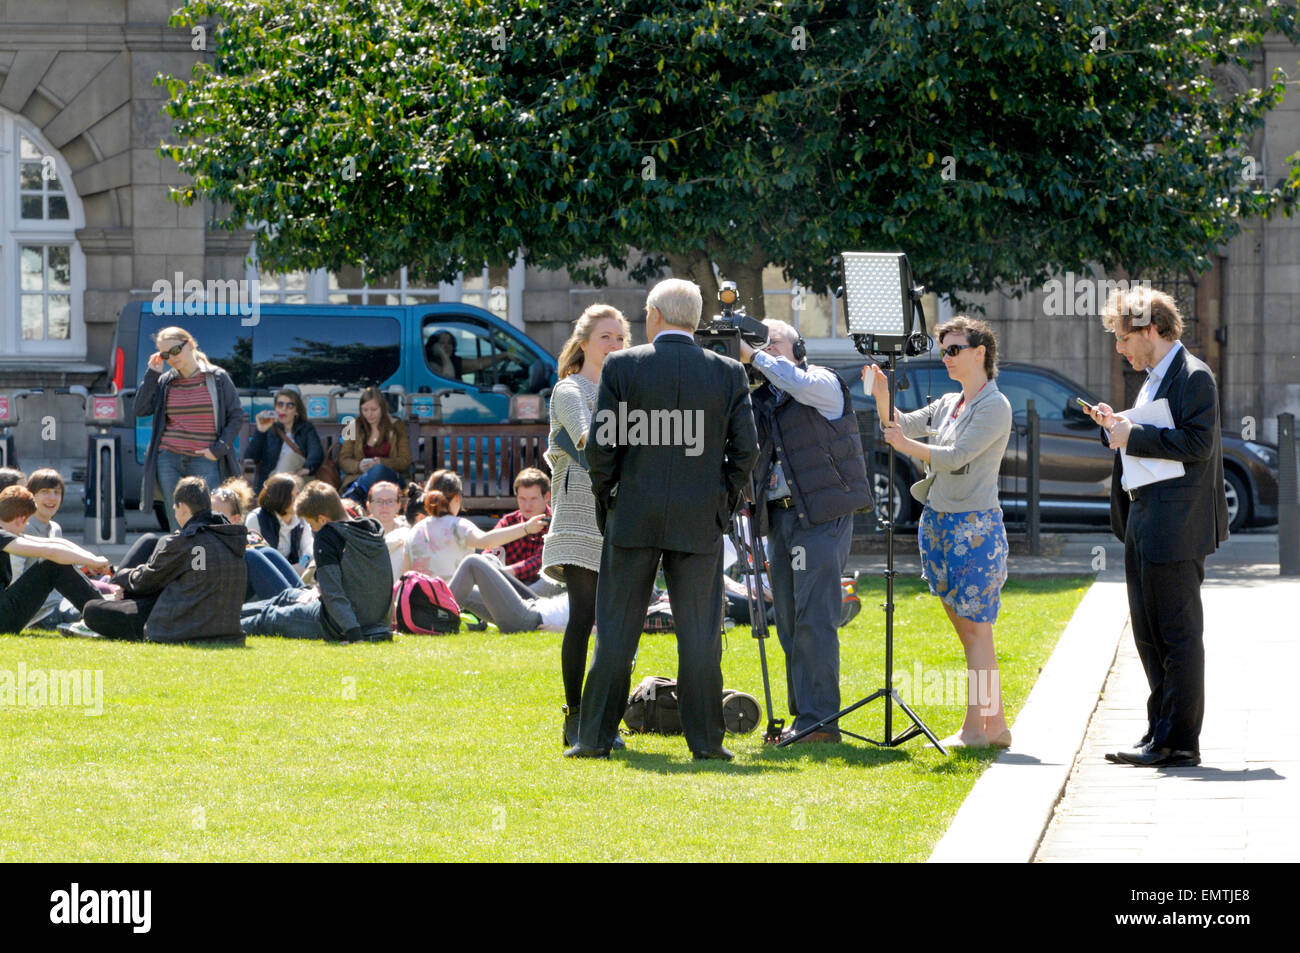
{"type": "Point", "coordinates": [722, 335]}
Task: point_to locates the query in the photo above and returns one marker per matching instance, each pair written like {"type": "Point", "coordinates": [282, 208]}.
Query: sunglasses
{"type": "Point", "coordinates": [393, 501]}
{"type": "Point", "coordinates": [952, 350]}
{"type": "Point", "coordinates": [172, 352]}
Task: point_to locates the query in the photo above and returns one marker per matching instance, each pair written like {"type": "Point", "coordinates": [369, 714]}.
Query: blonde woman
{"type": "Point", "coordinates": [196, 418]}
{"type": "Point", "coordinates": [571, 552]}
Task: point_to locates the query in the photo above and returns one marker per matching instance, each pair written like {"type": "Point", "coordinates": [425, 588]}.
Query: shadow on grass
{"type": "Point", "coordinates": [866, 756]}
{"type": "Point", "coordinates": [684, 764]}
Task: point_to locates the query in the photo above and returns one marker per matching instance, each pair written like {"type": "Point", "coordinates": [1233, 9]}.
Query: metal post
{"type": "Point", "coordinates": [1288, 498]}
{"type": "Point", "coordinates": [1031, 483]}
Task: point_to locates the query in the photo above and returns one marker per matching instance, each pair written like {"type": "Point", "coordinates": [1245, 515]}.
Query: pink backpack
{"type": "Point", "coordinates": [424, 605]}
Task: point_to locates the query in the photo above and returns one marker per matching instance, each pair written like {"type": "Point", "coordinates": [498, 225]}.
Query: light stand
{"type": "Point", "coordinates": [881, 301]}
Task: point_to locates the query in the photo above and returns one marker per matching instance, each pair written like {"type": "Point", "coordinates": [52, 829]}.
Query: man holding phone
{"type": "Point", "coordinates": [523, 557]}
{"type": "Point", "coordinates": [1168, 527]}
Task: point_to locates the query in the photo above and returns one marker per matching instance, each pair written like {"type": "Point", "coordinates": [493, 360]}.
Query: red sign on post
{"type": "Point", "coordinates": [4, 408]}
{"type": "Point", "coordinates": [104, 408]}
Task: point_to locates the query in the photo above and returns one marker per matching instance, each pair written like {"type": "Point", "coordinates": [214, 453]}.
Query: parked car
{"type": "Point", "coordinates": [471, 360]}
{"type": "Point", "coordinates": [1074, 465]}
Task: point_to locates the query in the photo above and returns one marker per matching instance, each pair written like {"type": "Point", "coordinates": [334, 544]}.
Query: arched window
{"type": "Point", "coordinates": [42, 268]}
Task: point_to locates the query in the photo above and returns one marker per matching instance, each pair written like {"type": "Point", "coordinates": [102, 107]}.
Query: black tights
{"type": "Point", "coordinates": [581, 584]}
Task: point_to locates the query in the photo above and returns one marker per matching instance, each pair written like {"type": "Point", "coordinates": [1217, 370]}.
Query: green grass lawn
{"type": "Point", "coordinates": [448, 748]}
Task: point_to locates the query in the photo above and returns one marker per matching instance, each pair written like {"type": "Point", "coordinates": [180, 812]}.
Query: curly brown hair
{"type": "Point", "coordinates": [978, 334]}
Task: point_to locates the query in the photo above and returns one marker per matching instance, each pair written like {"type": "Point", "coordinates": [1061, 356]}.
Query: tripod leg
{"type": "Point", "coordinates": [920, 727]}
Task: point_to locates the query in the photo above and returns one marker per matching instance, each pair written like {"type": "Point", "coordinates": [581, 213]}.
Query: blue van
{"type": "Point", "coordinates": [423, 349]}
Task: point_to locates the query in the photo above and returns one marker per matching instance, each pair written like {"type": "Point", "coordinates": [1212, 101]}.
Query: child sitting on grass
{"type": "Point", "coordinates": [353, 573]}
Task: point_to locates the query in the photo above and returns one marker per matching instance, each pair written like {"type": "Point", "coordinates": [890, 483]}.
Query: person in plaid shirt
{"type": "Point", "coordinates": [523, 557]}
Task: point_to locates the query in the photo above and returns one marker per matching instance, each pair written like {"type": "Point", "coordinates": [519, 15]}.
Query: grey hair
{"type": "Point", "coordinates": [678, 301]}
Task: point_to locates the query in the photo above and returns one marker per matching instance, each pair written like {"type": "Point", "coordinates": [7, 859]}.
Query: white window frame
{"type": "Point", "coordinates": [16, 232]}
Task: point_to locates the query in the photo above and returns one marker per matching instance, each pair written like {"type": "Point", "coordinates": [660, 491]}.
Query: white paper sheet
{"type": "Point", "coordinates": [1141, 471]}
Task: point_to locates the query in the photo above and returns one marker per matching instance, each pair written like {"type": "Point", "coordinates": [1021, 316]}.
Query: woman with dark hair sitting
{"type": "Point", "coordinates": [378, 450]}
{"type": "Point", "coordinates": [285, 441]}
{"type": "Point", "coordinates": [277, 523]}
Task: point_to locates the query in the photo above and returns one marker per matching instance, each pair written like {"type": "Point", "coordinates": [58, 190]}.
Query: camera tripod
{"type": "Point", "coordinates": [749, 547]}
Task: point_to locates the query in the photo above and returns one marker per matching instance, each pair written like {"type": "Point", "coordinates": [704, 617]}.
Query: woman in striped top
{"type": "Point", "coordinates": [196, 417]}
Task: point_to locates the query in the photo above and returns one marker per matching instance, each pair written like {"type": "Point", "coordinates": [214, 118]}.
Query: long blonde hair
{"type": "Point", "coordinates": [571, 356]}
{"type": "Point", "coordinates": [183, 336]}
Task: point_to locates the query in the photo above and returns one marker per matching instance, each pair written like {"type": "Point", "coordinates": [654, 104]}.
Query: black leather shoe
{"type": "Point", "coordinates": [1161, 758]}
{"type": "Point", "coordinates": [617, 744]}
{"type": "Point", "coordinates": [1142, 746]}
{"type": "Point", "coordinates": [716, 754]}
{"type": "Point", "coordinates": [582, 751]}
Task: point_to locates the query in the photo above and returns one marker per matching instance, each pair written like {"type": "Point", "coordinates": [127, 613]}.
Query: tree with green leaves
{"type": "Point", "coordinates": [995, 141]}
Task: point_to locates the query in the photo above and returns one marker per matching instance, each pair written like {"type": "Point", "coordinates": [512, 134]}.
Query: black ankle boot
{"type": "Point", "coordinates": [571, 719]}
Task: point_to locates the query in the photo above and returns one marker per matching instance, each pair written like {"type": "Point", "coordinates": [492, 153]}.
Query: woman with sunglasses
{"type": "Point", "coordinates": [196, 418]}
{"type": "Point", "coordinates": [963, 542]}
{"type": "Point", "coordinates": [285, 440]}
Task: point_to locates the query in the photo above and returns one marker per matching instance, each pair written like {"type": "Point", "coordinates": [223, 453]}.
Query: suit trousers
{"type": "Point", "coordinates": [626, 580]}
{"type": "Point", "coordinates": [1164, 602]}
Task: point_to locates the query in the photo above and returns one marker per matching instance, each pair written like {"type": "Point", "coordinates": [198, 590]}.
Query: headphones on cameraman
{"type": "Point", "coordinates": [800, 350]}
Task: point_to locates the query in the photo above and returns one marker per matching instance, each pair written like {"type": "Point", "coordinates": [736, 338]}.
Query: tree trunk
{"type": "Point", "coordinates": [697, 267]}
{"type": "Point", "coordinates": [748, 276]}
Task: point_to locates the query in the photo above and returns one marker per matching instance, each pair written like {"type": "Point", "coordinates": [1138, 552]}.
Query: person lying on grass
{"type": "Point", "coordinates": [191, 587]}
{"type": "Point", "coordinates": [50, 567]}
{"type": "Point", "coordinates": [353, 573]}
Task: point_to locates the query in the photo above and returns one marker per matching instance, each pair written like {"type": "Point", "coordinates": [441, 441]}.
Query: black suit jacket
{"type": "Point", "coordinates": [1188, 516]}
{"type": "Point", "coordinates": [655, 489]}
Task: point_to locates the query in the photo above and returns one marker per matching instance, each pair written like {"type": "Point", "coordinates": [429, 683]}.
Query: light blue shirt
{"type": "Point", "coordinates": [816, 387]}
{"type": "Point", "coordinates": [1155, 375]}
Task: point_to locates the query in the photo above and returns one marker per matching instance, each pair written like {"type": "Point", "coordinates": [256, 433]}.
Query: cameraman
{"type": "Point", "coordinates": [810, 477]}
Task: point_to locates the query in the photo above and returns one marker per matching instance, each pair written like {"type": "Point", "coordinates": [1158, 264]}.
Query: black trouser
{"type": "Point", "coordinates": [623, 590]}
{"type": "Point", "coordinates": [119, 618]}
{"type": "Point", "coordinates": [1164, 602]}
{"type": "Point", "coordinates": [28, 592]}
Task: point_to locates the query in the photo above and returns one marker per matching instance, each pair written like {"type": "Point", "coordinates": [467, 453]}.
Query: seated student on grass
{"type": "Point", "coordinates": [483, 586]}
{"type": "Point", "coordinates": [192, 586]}
{"type": "Point", "coordinates": [276, 522]}
{"type": "Point", "coordinates": [384, 503]}
{"type": "Point", "coordinates": [268, 571]}
{"type": "Point", "coordinates": [353, 575]}
{"type": "Point", "coordinates": [10, 476]}
{"type": "Point", "coordinates": [437, 545]}
{"type": "Point", "coordinates": [523, 557]}
{"type": "Point", "coordinates": [51, 564]}
{"type": "Point", "coordinates": [46, 486]}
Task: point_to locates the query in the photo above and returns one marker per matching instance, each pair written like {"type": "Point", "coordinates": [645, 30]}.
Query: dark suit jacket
{"type": "Point", "coordinates": [670, 497]}
{"type": "Point", "coordinates": [1189, 514]}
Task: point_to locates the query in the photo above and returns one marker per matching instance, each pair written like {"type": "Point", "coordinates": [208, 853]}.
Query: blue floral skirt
{"type": "Point", "coordinates": [964, 559]}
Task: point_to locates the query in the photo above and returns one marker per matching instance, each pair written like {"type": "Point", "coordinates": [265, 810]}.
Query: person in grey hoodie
{"type": "Point", "coordinates": [353, 572]}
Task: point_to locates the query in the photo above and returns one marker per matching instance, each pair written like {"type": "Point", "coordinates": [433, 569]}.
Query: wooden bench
{"type": "Point", "coordinates": [486, 456]}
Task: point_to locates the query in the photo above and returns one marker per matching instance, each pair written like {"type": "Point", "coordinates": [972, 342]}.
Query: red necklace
{"type": "Point", "coordinates": [957, 409]}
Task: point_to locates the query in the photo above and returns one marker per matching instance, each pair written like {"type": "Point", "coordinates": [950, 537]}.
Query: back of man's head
{"type": "Point", "coordinates": [678, 301]}
{"type": "Point", "coordinates": [15, 503]}
{"type": "Point", "coordinates": [319, 500]}
{"type": "Point", "coordinates": [193, 492]}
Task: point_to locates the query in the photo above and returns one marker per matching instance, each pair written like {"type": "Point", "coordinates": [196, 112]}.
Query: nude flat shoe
{"type": "Point", "coordinates": [1002, 741]}
{"type": "Point", "coordinates": [955, 741]}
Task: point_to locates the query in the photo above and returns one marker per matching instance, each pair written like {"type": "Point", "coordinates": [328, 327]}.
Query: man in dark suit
{"type": "Point", "coordinates": [671, 445]}
{"type": "Point", "coordinates": [1170, 526]}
